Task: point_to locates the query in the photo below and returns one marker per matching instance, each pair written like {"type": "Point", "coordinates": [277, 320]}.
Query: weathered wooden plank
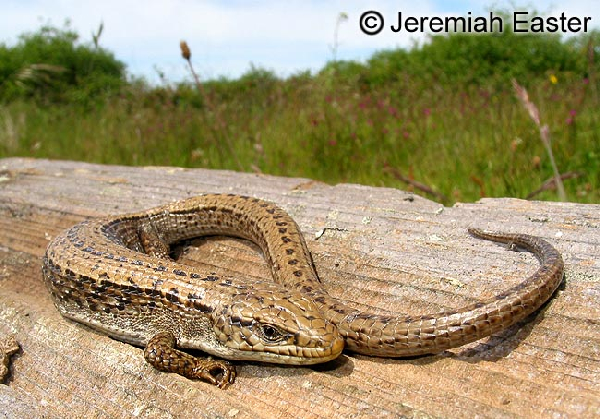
{"type": "Point", "coordinates": [380, 249]}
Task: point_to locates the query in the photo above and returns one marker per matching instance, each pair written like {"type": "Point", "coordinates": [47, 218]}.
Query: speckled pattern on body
{"type": "Point", "coordinates": [114, 274]}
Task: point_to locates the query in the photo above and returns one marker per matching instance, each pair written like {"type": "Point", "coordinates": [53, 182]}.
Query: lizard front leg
{"type": "Point", "coordinates": [162, 354]}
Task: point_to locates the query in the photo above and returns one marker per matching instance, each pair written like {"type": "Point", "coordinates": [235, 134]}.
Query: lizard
{"type": "Point", "coordinates": [115, 275]}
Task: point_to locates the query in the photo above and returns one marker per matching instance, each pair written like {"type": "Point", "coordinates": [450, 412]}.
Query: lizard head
{"type": "Point", "coordinates": [275, 326]}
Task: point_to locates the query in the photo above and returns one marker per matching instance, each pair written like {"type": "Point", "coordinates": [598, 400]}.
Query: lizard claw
{"type": "Point", "coordinates": [217, 372]}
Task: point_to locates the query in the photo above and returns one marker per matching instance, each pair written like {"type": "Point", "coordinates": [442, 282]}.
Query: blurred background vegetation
{"type": "Point", "coordinates": [440, 118]}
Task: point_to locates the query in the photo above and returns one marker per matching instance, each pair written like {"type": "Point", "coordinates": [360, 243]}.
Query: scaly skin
{"type": "Point", "coordinates": [114, 275]}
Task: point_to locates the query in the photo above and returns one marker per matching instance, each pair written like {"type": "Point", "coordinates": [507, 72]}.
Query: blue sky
{"type": "Point", "coordinates": [227, 36]}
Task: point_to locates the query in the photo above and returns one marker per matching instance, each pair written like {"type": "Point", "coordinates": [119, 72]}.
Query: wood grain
{"type": "Point", "coordinates": [376, 247]}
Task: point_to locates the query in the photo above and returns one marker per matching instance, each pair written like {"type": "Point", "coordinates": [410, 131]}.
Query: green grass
{"type": "Point", "coordinates": [464, 142]}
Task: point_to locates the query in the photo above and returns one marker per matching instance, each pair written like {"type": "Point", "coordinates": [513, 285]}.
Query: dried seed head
{"type": "Point", "coordinates": [186, 53]}
{"type": "Point", "coordinates": [523, 96]}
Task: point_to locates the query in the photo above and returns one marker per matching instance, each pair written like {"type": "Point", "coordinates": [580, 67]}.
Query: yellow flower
{"type": "Point", "coordinates": [553, 79]}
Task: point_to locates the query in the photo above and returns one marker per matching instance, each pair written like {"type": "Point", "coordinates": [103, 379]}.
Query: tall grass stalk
{"type": "Point", "coordinates": [534, 114]}
{"type": "Point", "coordinates": [186, 53]}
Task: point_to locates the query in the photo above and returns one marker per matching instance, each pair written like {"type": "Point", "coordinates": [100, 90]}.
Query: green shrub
{"type": "Point", "coordinates": [481, 59]}
{"type": "Point", "coordinates": [52, 65]}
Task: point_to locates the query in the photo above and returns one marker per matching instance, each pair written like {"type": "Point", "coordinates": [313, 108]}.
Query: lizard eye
{"type": "Point", "coordinates": [271, 333]}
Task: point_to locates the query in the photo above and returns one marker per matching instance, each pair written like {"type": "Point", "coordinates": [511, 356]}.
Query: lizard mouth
{"type": "Point", "coordinates": [298, 355]}
{"type": "Point", "coordinates": [290, 354]}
